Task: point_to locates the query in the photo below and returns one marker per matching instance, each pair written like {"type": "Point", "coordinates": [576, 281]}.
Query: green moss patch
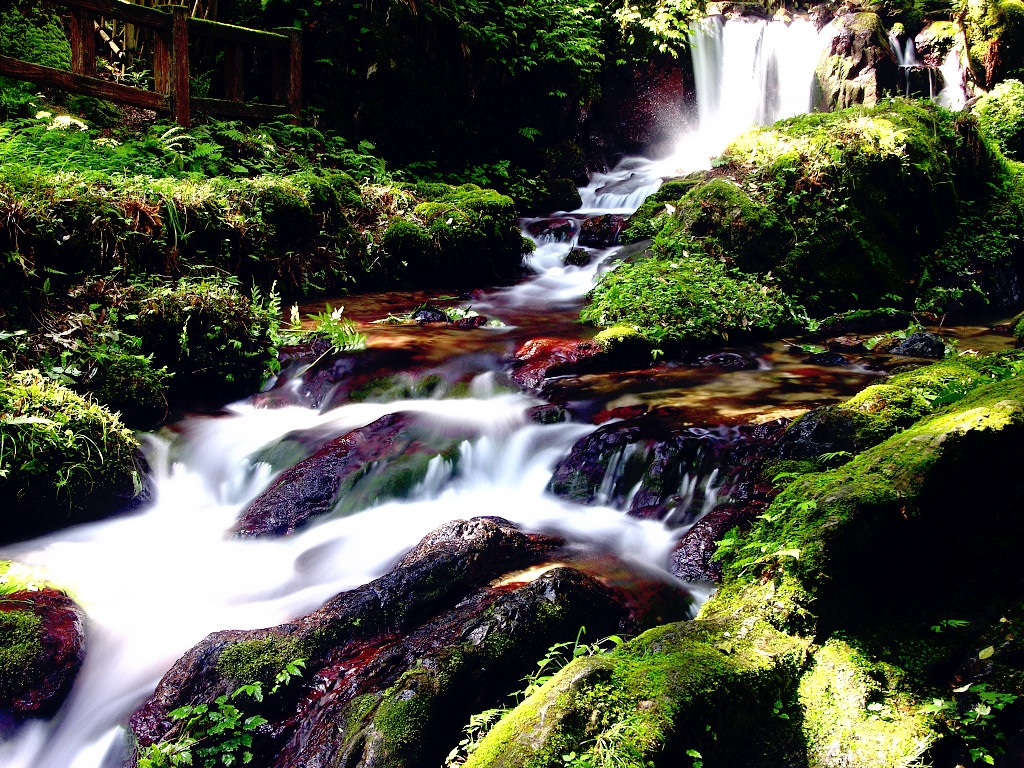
{"type": "Point", "coordinates": [62, 458]}
{"type": "Point", "coordinates": [685, 300]}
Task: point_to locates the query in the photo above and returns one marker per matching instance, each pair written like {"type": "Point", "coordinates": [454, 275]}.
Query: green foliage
{"type": "Point", "coordinates": [662, 25]}
{"type": "Point", "coordinates": [1000, 114]}
{"type": "Point", "coordinates": [58, 453]}
{"type": "Point", "coordinates": [31, 33]}
{"type": "Point", "coordinates": [214, 338]}
{"type": "Point", "coordinates": [685, 300]}
{"type": "Point", "coordinates": [554, 659]}
{"type": "Point", "coordinates": [217, 734]}
{"type": "Point", "coordinates": [972, 715]}
{"type": "Point", "coordinates": [329, 324]}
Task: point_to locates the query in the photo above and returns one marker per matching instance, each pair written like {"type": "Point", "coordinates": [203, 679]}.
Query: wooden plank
{"type": "Point", "coordinates": [180, 99]}
{"type": "Point", "coordinates": [236, 109]}
{"type": "Point", "coordinates": [241, 35]}
{"type": "Point", "coordinates": [234, 72]}
{"type": "Point", "coordinates": [162, 61]}
{"type": "Point", "coordinates": [122, 11]}
{"type": "Point", "coordinates": [83, 42]}
{"type": "Point", "coordinates": [90, 86]}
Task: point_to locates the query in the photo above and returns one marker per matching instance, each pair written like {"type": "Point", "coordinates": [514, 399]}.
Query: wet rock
{"type": "Point", "coordinates": [396, 667]}
{"type": "Point", "coordinates": [558, 229]}
{"type": "Point", "coordinates": [692, 558]}
{"type": "Point", "coordinates": [829, 359]}
{"type": "Point", "coordinates": [476, 321]}
{"type": "Point", "coordinates": [42, 637]}
{"type": "Point", "coordinates": [577, 257]}
{"type": "Point", "coordinates": [380, 461]}
{"type": "Point", "coordinates": [429, 314]}
{"type": "Point", "coordinates": [849, 345]}
{"type": "Point", "coordinates": [602, 231]}
{"type": "Point", "coordinates": [921, 344]}
{"type": "Point", "coordinates": [661, 472]}
{"type": "Point", "coordinates": [548, 414]}
{"type": "Point", "coordinates": [539, 358]}
{"type": "Point", "coordinates": [858, 65]}
{"type": "Point", "coordinates": [829, 429]}
{"type": "Point", "coordinates": [725, 361]}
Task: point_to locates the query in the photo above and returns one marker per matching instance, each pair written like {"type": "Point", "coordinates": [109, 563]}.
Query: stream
{"type": "Point", "coordinates": [155, 582]}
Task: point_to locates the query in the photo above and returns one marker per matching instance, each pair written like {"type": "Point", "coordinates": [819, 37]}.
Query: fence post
{"type": "Point", "coordinates": [295, 72]}
{"type": "Point", "coordinates": [83, 42]}
{"type": "Point", "coordinates": [181, 100]}
{"type": "Point", "coordinates": [234, 72]}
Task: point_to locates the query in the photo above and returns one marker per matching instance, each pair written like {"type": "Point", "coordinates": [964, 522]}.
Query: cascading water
{"type": "Point", "coordinates": [156, 582]}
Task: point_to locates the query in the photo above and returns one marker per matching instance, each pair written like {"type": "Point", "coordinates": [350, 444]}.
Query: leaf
{"type": "Point", "coordinates": [986, 653]}
{"type": "Point", "coordinates": [962, 688]}
{"type": "Point", "coordinates": [693, 753]}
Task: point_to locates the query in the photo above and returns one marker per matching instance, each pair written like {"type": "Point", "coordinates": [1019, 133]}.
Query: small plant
{"type": "Point", "coordinates": [218, 734]}
{"type": "Point", "coordinates": [339, 331]}
{"type": "Point", "coordinates": [975, 724]}
{"type": "Point", "coordinates": [556, 657]}
{"type": "Point", "coordinates": [949, 624]}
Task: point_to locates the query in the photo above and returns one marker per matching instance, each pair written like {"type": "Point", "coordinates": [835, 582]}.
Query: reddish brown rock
{"type": "Point", "coordinates": [539, 358]}
{"type": "Point", "coordinates": [40, 684]}
{"type": "Point", "coordinates": [602, 231]}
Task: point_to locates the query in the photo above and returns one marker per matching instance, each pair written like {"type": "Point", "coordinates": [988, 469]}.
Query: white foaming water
{"type": "Point", "coordinates": [747, 73]}
{"type": "Point", "coordinates": [155, 583]}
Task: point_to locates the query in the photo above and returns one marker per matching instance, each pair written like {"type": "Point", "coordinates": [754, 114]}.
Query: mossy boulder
{"type": "Point", "coordinates": [214, 339]}
{"type": "Point", "coordinates": [474, 235]}
{"type": "Point", "coordinates": [857, 66]}
{"type": "Point", "coordinates": [877, 412]}
{"type": "Point", "coordinates": [686, 299]}
{"type": "Point", "coordinates": [42, 647]}
{"type": "Point", "coordinates": [64, 459]}
{"type": "Point", "coordinates": [995, 35]}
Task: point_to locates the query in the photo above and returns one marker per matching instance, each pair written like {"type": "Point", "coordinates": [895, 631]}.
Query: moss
{"type": "Point", "coordinates": [20, 650]}
{"type": "Point", "coordinates": [656, 697]}
{"type": "Point", "coordinates": [33, 34]}
{"type": "Point", "coordinates": [474, 234]}
{"type": "Point", "coordinates": [62, 458]}
{"type": "Point", "coordinates": [215, 340]}
{"type": "Point", "coordinates": [857, 712]}
{"type": "Point", "coordinates": [689, 300]}
{"type": "Point", "coordinates": [650, 217]}
{"type": "Point", "coordinates": [730, 224]}
{"type": "Point", "coordinates": [815, 524]}
{"type": "Point", "coordinates": [251, 661]}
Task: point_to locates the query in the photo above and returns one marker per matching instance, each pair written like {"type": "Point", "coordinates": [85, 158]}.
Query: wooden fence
{"type": "Point", "coordinates": [173, 29]}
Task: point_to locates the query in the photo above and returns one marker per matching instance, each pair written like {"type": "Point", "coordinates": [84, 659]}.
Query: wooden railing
{"type": "Point", "coordinates": [172, 30]}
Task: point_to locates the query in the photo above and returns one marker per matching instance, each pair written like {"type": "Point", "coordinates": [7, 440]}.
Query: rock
{"type": "Point", "coordinates": [429, 314]}
{"type": "Point", "coordinates": [475, 321]}
{"type": "Point", "coordinates": [725, 361]}
{"type": "Point", "coordinates": [828, 429]}
{"type": "Point", "coordinates": [602, 231]}
{"type": "Point", "coordinates": [548, 414]}
{"type": "Point", "coordinates": [396, 667]}
{"type": "Point", "coordinates": [556, 230]}
{"type": "Point", "coordinates": [921, 344]}
{"type": "Point", "coordinates": [661, 472]}
{"type": "Point", "coordinates": [829, 359]}
{"type": "Point", "coordinates": [380, 461]}
{"type": "Point", "coordinates": [849, 345]}
{"type": "Point", "coordinates": [43, 644]}
{"type": "Point", "coordinates": [539, 358]}
{"type": "Point", "coordinates": [577, 257]}
{"type": "Point", "coordinates": [691, 560]}
{"type": "Point", "coordinates": [857, 66]}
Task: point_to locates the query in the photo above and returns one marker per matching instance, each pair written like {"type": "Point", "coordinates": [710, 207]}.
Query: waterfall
{"type": "Point", "coordinates": [156, 582]}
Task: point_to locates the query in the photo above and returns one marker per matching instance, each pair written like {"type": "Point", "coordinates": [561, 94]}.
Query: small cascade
{"type": "Point", "coordinates": [952, 96]}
